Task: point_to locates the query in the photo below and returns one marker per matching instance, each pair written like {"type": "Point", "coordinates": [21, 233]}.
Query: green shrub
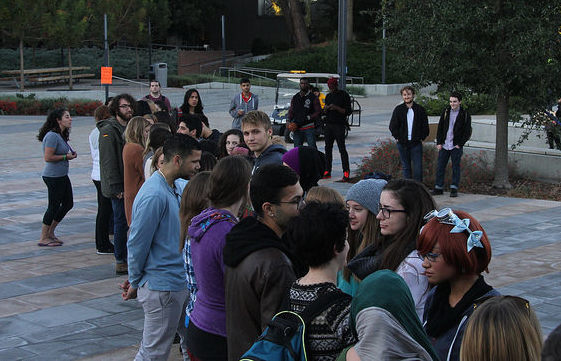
{"type": "Point", "coordinates": [356, 90]}
{"type": "Point", "coordinates": [29, 105]}
{"type": "Point", "coordinates": [476, 103]}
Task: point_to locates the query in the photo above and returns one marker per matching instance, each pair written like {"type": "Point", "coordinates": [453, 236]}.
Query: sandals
{"type": "Point", "coordinates": [51, 243]}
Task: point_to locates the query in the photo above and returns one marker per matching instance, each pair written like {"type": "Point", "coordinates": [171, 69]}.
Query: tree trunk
{"type": "Point", "coordinates": [21, 75]}
{"type": "Point", "coordinates": [299, 26]}
{"type": "Point", "coordinates": [501, 144]}
{"type": "Point", "coordinates": [69, 69]}
{"type": "Point", "coordinates": [287, 18]}
{"type": "Point", "coordinates": [350, 33]}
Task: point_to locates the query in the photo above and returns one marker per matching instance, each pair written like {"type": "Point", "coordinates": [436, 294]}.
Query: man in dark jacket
{"type": "Point", "coordinates": [410, 126]}
{"type": "Point", "coordinates": [111, 143]}
{"type": "Point", "coordinates": [337, 108]}
{"type": "Point", "coordinates": [304, 111]}
{"type": "Point", "coordinates": [454, 130]}
{"type": "Point", "coordinates": [258, 269]}
{"type": "Point", "coordinates": [257, 134]}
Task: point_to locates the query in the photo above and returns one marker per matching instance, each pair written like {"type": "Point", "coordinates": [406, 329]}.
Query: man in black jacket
{"type": "Point", "coordinates": [258, 264]}
{"type": "Point", "coordinates": [304, 110]}
{"type": "Point", "coordinates": [454, 130]}
{"type": "Point", "coordinates": [337, 108]}
{"type": "Point", "coordinates": [410, 126]}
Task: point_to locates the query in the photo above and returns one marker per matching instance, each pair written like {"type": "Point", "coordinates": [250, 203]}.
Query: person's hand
{"type": "Point", "coordinates": [457, 146]}
{"type": "Point", "coordinates": [71, 155]}
{"type": "Point", "coordinates": [439, 146]}
{"type": "Point", "coordinates": [129, 292]}
{"type": "Point", "coordinates": [119, 195]}
{"type": "Point", "coordinates": [292, 126]}
{"type": "Point", "coordinates": [240, 112]}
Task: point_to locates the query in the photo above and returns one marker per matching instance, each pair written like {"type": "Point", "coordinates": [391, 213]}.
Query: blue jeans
{"type": "Point", "coordinates": [120, 229]}
{"type": "Point", "coordinates": [411, 152]}
{"type": "Point", "coordinates": [308, 134]}
{"type": "Point", "coordinates": [443, 156]}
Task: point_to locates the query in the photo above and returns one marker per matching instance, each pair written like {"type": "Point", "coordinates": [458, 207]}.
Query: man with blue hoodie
{"type": "Point", "coordinates": [257, 134]}
{"type": "Point", "coordinates": [155, 264]}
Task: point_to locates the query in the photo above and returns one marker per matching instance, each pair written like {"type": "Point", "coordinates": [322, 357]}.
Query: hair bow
{"type": "Point", "coordinates": [447, 216]}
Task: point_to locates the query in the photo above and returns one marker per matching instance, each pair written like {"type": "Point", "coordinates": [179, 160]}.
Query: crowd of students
{"type": "Point", "coordinates": [251, 234]}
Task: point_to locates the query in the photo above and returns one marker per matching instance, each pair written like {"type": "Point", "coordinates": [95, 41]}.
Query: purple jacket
{"type": "Point", "coordinates": [208, 235]}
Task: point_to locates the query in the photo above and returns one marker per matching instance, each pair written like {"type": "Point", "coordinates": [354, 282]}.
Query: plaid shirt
{"type": "Point", "coordinates": [189, 277]}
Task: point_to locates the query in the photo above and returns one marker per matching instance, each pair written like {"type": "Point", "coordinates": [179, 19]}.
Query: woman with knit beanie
{"type": "Point", "coordinates": [362, 202]}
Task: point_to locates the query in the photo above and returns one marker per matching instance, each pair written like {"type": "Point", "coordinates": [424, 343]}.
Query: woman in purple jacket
{"type": "Point", "coordinates": [229, 183]}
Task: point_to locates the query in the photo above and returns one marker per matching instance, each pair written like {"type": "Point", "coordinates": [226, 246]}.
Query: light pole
{"type": "Point", "coordinates": [342, 44]}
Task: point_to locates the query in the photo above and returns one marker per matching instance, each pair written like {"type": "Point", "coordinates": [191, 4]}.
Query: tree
{"type": "Point", "coordinates": [295, 22]}
{"type": "Point", "coordinates": [498, 47]}
{"type": "Point", "coordinates": [20, 20]}
{"type": "Point", "coordinates": [65, 22]}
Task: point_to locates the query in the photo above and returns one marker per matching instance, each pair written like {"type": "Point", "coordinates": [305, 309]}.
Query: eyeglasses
{"type": "Point", "coordinates": [125, 106]}
{"type": "Point", "coordinates": [432, 257]}
{"type": "Point", "coordinates": [386, 212]}
{"type": "Point", "coordinates": [300, 203]}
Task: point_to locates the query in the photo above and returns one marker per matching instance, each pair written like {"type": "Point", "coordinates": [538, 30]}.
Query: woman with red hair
{"type": "Point", "coordinates": [455, 251]}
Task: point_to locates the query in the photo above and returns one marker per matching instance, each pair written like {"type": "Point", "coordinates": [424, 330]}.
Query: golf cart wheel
{"type": "Point", "coordinates": [288, 136]}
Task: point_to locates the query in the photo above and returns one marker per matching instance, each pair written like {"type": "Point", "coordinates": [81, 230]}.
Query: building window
{"type": "Point", "coordinates": [268, 8]}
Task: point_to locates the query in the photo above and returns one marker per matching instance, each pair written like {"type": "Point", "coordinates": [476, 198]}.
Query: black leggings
{"type": "Point", "coordinates": [60, 198]}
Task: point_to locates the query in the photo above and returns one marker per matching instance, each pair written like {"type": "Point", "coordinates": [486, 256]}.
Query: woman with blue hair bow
{"type": "Point", "coordinates": [455, 251]}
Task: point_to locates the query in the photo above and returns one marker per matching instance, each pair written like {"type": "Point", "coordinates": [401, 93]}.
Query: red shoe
{"type": "Point", "coordinates": [345, 177]}
{"type": "Point", "coordinates": [326, 175]}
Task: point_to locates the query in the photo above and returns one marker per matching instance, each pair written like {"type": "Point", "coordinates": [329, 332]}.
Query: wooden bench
{"type": "Point", "coordinates": [45, 75]}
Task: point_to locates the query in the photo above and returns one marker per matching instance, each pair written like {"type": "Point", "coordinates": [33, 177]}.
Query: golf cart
{"type": "Point", "coordinates": [288, 84]}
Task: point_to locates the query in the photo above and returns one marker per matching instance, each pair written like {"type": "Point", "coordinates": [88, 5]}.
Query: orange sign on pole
{"type": "Point", "coordinates": [106, 75]}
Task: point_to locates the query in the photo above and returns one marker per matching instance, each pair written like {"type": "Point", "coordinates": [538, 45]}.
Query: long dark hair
{"type": "Point", "coordinates": [229, 181]}
{"type": "Point", "coordinates": [51, 124]}
{"type": "Point", "coordinates": [222, 141]}
{"type": "Point", "coordinates": [194, 200]}
{"type": "Point", "coordinates": [417, 201]}
{"type": "Point", "coordinates": [185, 106]}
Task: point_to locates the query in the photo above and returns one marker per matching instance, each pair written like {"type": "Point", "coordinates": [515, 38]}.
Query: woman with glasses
{"type": "Point", "coordinates": [502, 328]}
{"type": "Point", "coordinates": [454, 250]}
{"type": "Point", "coordinates": [403, 203]}
{"type": "Point", "coordinates": [228, 188]}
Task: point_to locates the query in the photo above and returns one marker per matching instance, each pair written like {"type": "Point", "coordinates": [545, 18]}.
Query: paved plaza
{"type": "Point", "coordinates": [63, 303]}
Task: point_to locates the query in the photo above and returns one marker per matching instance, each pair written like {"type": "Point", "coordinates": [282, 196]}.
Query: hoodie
{"type": "Point", "coordinates": [258, 275]}
{"type": "Point", "coordinates": [111, 144]}
{"type": "Point", "coordinates": [271, 155]}
{"type": "Point", "coordinates": [207, 234]}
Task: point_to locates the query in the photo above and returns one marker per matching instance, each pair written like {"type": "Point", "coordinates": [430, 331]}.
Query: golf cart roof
{"type": "Point", "coordinates": [307, 75]}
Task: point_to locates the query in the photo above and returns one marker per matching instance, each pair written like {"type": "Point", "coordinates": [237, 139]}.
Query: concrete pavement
{"type": "Point", "coordinates": [63, 303]}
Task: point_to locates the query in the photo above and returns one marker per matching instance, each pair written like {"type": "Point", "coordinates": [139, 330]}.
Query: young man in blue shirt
{"type": "Point", "coordinates": [155, 263]}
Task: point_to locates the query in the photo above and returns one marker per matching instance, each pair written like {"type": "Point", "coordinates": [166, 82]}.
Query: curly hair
{"type": "Point", "coordinates": [222, 142]}
{"type": "Point", "coordinates": [114, 107]}
{"type": "Point", "coordinates": [51, 124]}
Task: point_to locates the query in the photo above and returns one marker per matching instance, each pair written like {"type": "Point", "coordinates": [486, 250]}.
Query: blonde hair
{"type": "Point", "coordinates": [323, 194]}
{"type": "Point", "coordinates": [502, 328]}
{"type": "Point", "coordinates": [134, 132]}
{"type": "Point", "coordinates": [257, 118]}
{"type": "Point", "coordinates": [154, 164]}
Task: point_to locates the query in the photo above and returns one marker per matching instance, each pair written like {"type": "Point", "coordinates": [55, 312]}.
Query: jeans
{"type": "Point", "coordinates": [163, 312]}
{"type": "Point", "coordinates": [336, 132]}
{"type": "Point", "coordinates": [121, 228]}
{"type": "Point", "coordinates": [308, 134]}
{"type": "Point", "coordinates": [411, 152]}
{"type": "Point", "coordinates": [103, 219]}
{"type": "Point", "coordinates": [443, 156]}
{"type": "Point", "coordinates": [60, 198]}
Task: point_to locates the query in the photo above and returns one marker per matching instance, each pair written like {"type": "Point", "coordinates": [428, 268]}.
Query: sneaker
{"type": "Point", "coordinates": [108, 250]}
{"type": "Point", "coordinates": [453, 192]}
{"type": "Point", "coordinates": [437, 192]}
{"type": "Point", "coordinates": [121, 269]}
{"type": "Point", "coordinates": [345, 177]}
{"type": "Point", "coordinates": [326, 175]}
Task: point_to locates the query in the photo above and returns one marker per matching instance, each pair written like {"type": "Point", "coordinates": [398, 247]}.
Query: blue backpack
{"type": "Point", "coordinates": [284, 339]}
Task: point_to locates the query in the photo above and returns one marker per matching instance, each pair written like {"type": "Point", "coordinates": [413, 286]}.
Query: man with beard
{"type": "Point", "coordinates": [155, 264]}
{"type": "Point", "coordinates": [410, 126]}
{"type": "Point", "coordinates": [111, 143]}
{"type": "Point", "coordinates": [258, 269]}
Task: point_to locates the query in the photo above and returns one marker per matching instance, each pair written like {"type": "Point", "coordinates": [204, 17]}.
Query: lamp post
{"type": "Point", "coordinates": [342, 44]}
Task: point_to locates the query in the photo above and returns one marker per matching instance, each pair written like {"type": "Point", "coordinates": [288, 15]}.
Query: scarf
{"type": "Point", "coordinates": [387, 291]}
{"type": "Point", "coordinates": [441, 316]}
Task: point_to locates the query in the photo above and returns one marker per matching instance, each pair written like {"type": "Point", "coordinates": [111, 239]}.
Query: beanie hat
{"type": "Point", "coordinates": [291, 158]}
{"type": "Point", "coordinates": [367, 193]}
{"type": "Point", "coordinates": [332, 83]}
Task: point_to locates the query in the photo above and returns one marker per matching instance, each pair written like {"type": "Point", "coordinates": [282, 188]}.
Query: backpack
{"type": "Point", "coordinates": [284, 339]}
